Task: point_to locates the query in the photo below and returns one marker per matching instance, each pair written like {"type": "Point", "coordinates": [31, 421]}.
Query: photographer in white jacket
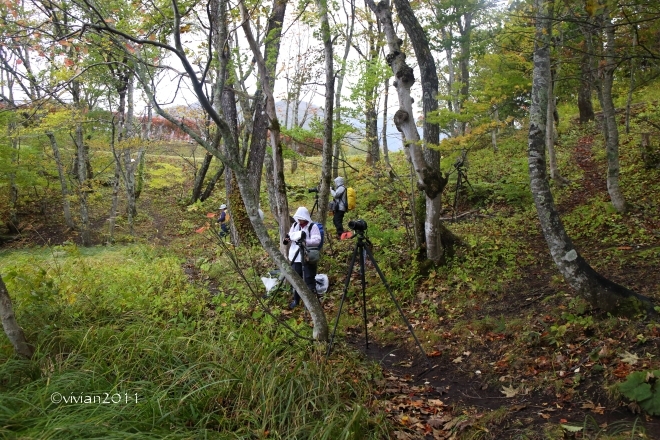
{"type": "Point", "coordinates": [303, 232]}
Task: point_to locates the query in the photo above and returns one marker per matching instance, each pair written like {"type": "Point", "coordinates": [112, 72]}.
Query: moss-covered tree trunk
{"type": "Point", "coordinates": [13, 331]}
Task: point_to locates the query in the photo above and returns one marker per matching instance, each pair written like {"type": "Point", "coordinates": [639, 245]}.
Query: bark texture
{"type": "Point", "coordinates": [595, 288]}
{"type": "Point", "coordinates": [328, 122]}
{"type": "Point", "coordinates": [427, 170]}
{"type": "Point", "coordinates": [274, 127]}
{"type": "Point", "coordinates": [609, 118]}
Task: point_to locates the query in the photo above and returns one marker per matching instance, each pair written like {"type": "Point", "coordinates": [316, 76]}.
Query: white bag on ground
{"type": "Point", "coordinates": [322, 283]}
{"type": "Point", "coordinates": [269, 283]}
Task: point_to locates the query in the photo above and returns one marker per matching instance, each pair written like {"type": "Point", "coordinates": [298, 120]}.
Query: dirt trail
{"type": "Point", "coordinates": [472, 390]}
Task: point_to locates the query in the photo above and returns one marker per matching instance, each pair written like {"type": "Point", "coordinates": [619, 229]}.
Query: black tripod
{"type": "Point", "coordinates": [316, 202]}
{"type": "Point", "coordinates": [362, 249]}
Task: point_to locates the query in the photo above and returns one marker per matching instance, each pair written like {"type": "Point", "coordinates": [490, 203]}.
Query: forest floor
{"type": "Point", "coordinates": [481, 386]}
{"type": "Point", "coordinates": [482, 380]}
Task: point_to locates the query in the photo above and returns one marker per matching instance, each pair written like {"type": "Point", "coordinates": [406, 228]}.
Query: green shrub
{"type": "Point", "coordinates": [643, 387]}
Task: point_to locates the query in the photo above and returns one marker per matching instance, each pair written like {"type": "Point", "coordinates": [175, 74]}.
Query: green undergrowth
{"type": "Point", "coordinates": [127, 347]}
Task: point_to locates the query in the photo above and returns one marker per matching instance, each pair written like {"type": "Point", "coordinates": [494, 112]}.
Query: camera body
{"type": "Point", "coordinates": [312, 190]}
{"type": "Point", "coordinates": [358, 225]}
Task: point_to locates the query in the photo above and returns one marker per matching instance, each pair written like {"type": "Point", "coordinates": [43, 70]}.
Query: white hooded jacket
{"type": "Point", "coordinates": [312, 234]}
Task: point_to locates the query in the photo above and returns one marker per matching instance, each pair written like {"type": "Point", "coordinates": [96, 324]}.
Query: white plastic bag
{"type": "Point", "coordinates": [322, 283]}
{"type": "Point", "coordinates": [269, 283]}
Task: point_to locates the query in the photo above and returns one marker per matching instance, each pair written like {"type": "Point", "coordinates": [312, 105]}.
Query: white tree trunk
{"type": "Point", "coordinates": [596, 289]}
{"type": "Point", "coordinates": [609, 116]}
{"type": "Point", "coordinates": [428, 175]}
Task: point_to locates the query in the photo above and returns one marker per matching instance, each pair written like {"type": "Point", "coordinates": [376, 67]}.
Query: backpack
{"type": "Point", "coordinates": [313, 254]}
{"type": "Point", "coordinates": [352, 198]}
{"type": "Point", "coordinates": [320, 225]}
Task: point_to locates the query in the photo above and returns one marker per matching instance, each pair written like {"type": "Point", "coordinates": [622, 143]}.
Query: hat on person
{"type": "Point", "coordinates": [302, 214]}
{"type": "Point", "coordinates": [223, 206]}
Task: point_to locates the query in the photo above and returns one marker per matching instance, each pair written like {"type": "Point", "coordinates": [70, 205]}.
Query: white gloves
{"type": "Point", "coordinates": [295, 235]}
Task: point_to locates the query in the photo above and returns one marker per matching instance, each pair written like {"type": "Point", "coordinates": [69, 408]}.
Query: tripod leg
{"type": "Point", "coordinates": [389, 289]}
{"type": "Point", "coordinates": [316, 205]}
{"type": "Point", "coordinates": [468, 182]}
{"type": "Point", "coordinates": [458, 188]}
{"type": "Point", "coordinates": [343, 298]}
{"type": "Point", "coordinates": [364, 297]}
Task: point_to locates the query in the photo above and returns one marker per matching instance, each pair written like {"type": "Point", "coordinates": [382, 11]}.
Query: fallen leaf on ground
{"type": "Point", "coordinates": [458, 360]}
{"type": "Point", "coordinates": [629, 358]}
{"type": "Point", "coordinates": [509, 391]}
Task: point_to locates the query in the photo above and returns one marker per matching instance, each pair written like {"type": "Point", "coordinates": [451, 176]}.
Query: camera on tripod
{"type": "Point", "coordinates": [461, 161]}
{"type": "Point", "coordinates": [312, 190]}
{"type": "Point", "coordinates": [358, 225]}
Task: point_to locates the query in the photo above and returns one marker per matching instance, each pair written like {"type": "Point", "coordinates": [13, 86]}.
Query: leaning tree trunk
{"type": "Point", "coordinates": [596, 289]}
{"type": "Point", "coordinates": [211, 183]}
{"type": "Point", "coordinates": [241, 229]}
{"type": "Point", "coordinates": [199, 178]}
{"type": "Point", "coordinates": [13, 331]}
{"type": "Point", "coordinates": [68, 219]}
{"type": "Point", "coordinates": [551, 133]}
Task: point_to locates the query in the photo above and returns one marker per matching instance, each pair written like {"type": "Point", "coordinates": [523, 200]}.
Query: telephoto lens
{"type": "Point", "coordinates": [358, 225]}
{"type": "Point", "coordinates": [312, 190]}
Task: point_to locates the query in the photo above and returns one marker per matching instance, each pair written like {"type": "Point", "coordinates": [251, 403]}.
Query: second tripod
{"type": "Point", "coordinates": [362, 250]}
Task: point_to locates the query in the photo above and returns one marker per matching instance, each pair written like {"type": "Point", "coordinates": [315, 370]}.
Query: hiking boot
{"type": "Point", "coordinates": [294, 304]}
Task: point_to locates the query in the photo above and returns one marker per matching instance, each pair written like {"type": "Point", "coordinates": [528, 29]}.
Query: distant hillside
{"type": "Point", "coordinates": [307, 111]}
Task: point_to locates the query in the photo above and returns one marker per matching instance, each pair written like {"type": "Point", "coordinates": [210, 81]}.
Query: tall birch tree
{"type": "Point", "coordinates": [426, 169]}
{"type": "Point", "coordinates": [596, 289]}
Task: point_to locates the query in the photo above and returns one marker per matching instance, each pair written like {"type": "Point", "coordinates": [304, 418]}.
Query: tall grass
{"type": "Point", "coordinates": [168, 378]}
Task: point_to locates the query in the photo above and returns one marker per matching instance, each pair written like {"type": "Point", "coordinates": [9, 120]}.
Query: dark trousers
{"type": "Point", "coordinates": [338, 221]}
{"type": "Point", "coordinates": [308, 274]}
